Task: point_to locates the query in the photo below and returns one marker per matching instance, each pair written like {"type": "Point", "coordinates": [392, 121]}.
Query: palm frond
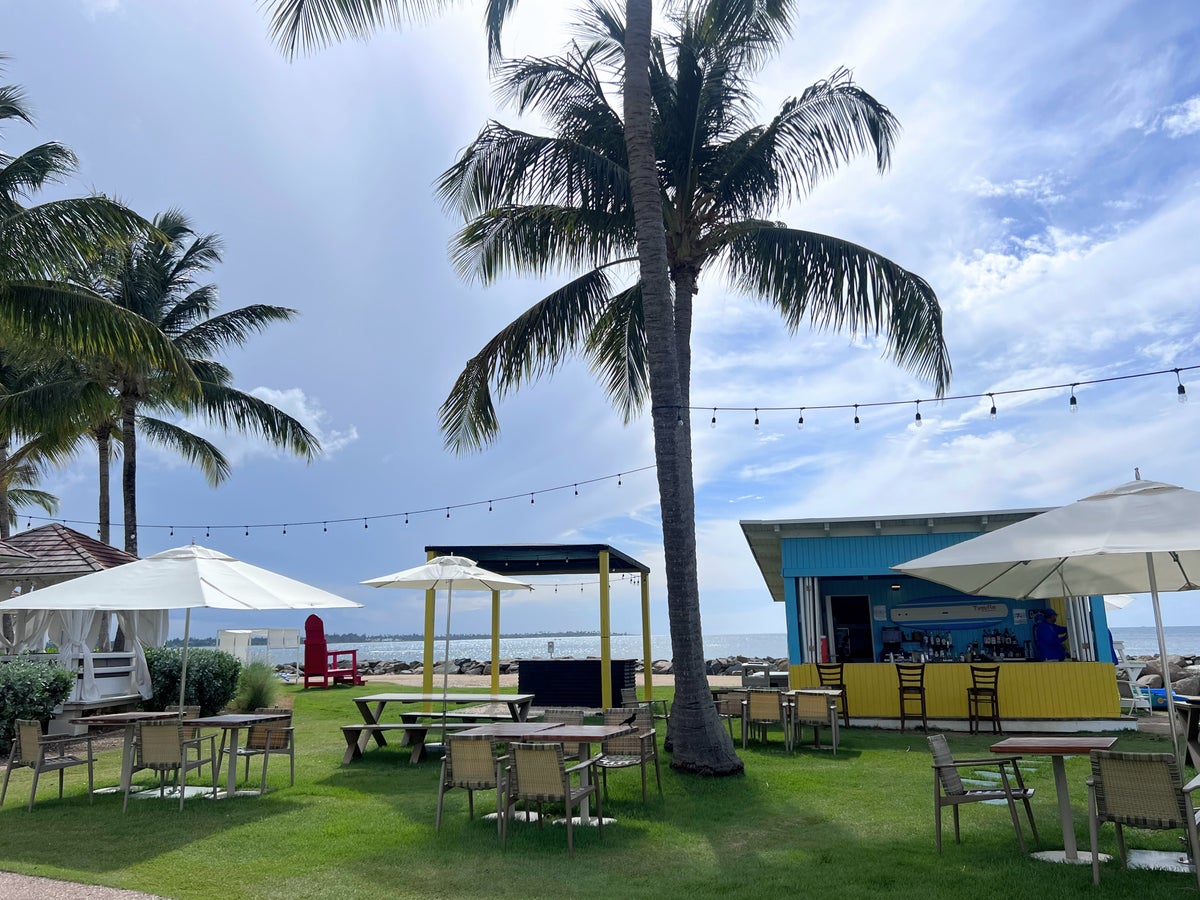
{"type": "Point", "coordinates": [233, 328]}
{"type": "Point", "coordinates": [532, 345]}
{"type": "Point", "coordinates": [33, 169]}
{"type": "Point", "coordinates": [835, 284]}
{"type": "Point", "coordinates": [242, 412]}
{"type": "Point", "coordinates": [309, 25]}
{"type": "Point", "coordinates": [194, 449]}
{"type": "Point", "coordinates": [40, 241]}
{"type": "Point", "coordinates": [616, 351]}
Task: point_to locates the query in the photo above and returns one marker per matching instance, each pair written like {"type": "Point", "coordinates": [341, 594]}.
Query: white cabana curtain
{"type": "Point", "coordinates": [144, 628]}
{"type": "Point", "coordinates": [29, 630]}
{"type": "Point", "coordinates": [79, 630]}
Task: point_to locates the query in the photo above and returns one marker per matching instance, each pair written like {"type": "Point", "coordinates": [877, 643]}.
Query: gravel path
{"type": "Point", "coordinates": [29, 887]}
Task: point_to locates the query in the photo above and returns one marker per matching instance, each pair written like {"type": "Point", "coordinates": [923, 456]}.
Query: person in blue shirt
{"type": "Point", "coordinates": [1050, 637]}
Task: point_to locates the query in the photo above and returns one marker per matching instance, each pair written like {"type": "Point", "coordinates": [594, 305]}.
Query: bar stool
{"type": "Point", "coordinates": [912, 688]}
{"type": "Point", "coordinates": [983, 696]}
{"type": "Point", "coordinates": [832, 676]}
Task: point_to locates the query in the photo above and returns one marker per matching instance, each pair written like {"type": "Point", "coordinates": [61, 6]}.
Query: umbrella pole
{"type": "Point", "coordinates": [1162, 656]}
{"type": "Point", "coordinates": [187, 622]}
{"type": "Point", "coordinates": [446, 663]}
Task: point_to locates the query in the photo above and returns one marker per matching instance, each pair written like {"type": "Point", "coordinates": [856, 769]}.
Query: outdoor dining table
{"type": "Point", "coordinates": [1057, 748]}
{"type": "Point", "coordinates": [583, 735]}
{"type": "Point", "coordinates": [231, 724]}
{"type": "Point", "coordinates": [130, 722]}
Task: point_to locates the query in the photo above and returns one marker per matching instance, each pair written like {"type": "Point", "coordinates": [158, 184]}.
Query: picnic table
{"type": "Point", "coordinates": [414, 724]}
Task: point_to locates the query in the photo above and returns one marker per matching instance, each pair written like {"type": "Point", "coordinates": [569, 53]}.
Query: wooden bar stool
{"type": "Point", "coordinates": [983, 697]}
{"type": "Point", "coordinates": [912, 688]}
{"type": "Point", "coordinates": [832, 676]}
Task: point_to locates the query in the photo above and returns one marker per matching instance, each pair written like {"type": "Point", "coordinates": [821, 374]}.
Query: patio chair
{"type": "Point", "coordinates": [833, 677]}
{"type": "Point", "coordinates": [1142, 790]}
{"type": "Point", "coordinates": [325, 665]}
{"type": "Point", "coordinates": [162, 748]}
{"type": "Point", "coordinates": [764, 708]}
{"type": "Point", "coordinates": [34, 750]}
{"type": "Point", "coordinates": [814, 710]}
{"type": "Point", "coordinates": [1130, 695]}
{"type": "Point", "coordinates": [188, 711]}
{"type": "Point", "coordinates": [638, 748]}
{"type": "Point", "coordinates": [266, 739]}
{"type": "Point", "coordinates": [948, 788]}
{"type": "Point", "coordinates": [911, 677]}
{"type": "Point", "coordinates": [983, 698]}
{"type": "Point", "coordinates": [566, 715]}
{"type": "Point", "coordinates": [473, 763]}
{"type": "Point", "coordinates": [730, 705]}
{"type": "Point", "coordinates": [538, 773]}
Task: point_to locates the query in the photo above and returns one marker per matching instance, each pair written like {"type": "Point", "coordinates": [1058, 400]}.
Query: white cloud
{"type": "Point", "coordinates": [1041, 188]}
{"type": "Point", "coordinates": [1182, 119]}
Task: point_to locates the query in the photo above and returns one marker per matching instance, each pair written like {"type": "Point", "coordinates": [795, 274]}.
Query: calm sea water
{"type": "Point", "coordinates": [1141, 641]}
{"type": "Point", "coordinates": [623, 647]}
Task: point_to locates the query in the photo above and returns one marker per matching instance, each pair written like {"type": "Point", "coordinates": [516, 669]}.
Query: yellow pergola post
{"type": "Point", "coordinates": [495, 642]}
{"type": "Point", "coordinates": [647, 662]}
{"type": "Point", "coordinates": [606, 694]}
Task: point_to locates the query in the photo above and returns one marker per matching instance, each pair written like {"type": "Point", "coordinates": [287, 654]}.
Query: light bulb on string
{"type": "Point", "coordinates": [531, 499]}
{"type": "Point", "coordinates": [713, 423]}
{"type": "Point", "coordinates": [800, 421]}
{"type": "Point", "coordinates": [857, 421]}
{"type": "Point", "coordinates": [172, 534]}
{"type": "Point", "coordinates": [325, 526]}
{"type": "Point", "coordinates": [406, 518]}
{"type": "Point", "coordinates": [1074, 403]}
{"type": "Point", "coordinates": [992, 411]}
{"type": "Point", "coordinates": [447, 512]}
{"type": "Point", "coordinates": [618, 479]}
{"type": "Point", "coordinates": [247, 531]}
{"type": "Point", "coordinates": [285, 529]}
{"type": "Point", "coordinates": [576, 490]}
{"type": "Point", "coordinates": [206, 531]}
{"type": "Point", "coordinates": [1181, 391]}
{"type": "Point", "coordinates": [756, 419]}
{"type": "Point", "coordinates": [917, 420]}
{"type": "Point", "coordinates": [489, 508]}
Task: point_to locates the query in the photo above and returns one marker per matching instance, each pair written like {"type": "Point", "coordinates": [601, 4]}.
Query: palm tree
{"type": "Point", "coordinates": [537, 202]}
{"type": "Point", "coordinates": [312, 23]}
{"type": "Point", "coordinates": [157, 282]}
{"type": "Point", "coordinates": [38, 243]}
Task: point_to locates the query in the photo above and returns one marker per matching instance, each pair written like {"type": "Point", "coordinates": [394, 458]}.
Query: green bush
{"type": "Point", "coordinates": [30, 689]}
{"type": "Point", "coordinates": [257, 686]}
{"type": "Point", "coordinates": [212, 678]}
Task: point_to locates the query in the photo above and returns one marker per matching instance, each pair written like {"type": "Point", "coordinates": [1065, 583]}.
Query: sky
{"type": "Point", "coordinates": [1046, 183]}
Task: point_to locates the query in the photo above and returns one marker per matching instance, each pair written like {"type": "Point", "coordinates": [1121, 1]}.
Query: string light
{"type": "Point", "coordinates": [918, 418]}
{"type": "Point", "coordinates": [531, 499]}
{"type": "Point", "coordinates": [800, 421]}
{"type": "Point", "coordinates": [618, 479]}
{"type": "Point", "coordinates": [1181, 391]}
{"type": "Point", "coordinates": [172, 531]}
{"type": "Point", "coordinates": [447, 512]}
{"type": "Point", "coordinates": [992, 411]}
{"type": "Point", "coordinates": [1074, 402]}
{"type": "Point", "coordinates": [285, 529]}
{"type": "Point", "coordinates": [756, 420]}
{"type": "Point", "coordinates": [247, 531]}
{"type": "Point", "coordinates": [576, 490]}
{"type": "Point", "coordinates": [325, 527]}
{"type": "Point", "coordinates": [857, 421]}
{"type": "Point", "coordinates": [364, 524]}
{"type": "Point", "coordinates": [713, 423]}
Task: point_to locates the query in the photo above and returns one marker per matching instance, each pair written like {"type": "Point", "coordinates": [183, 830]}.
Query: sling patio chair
{"type": "Point", "coordinates": [473, 763]}
{"type": "Point", "coordinates": [731, 704]}
{"type": "Point", "coordinates": [163, 748]}
{"type": "Point", "coordinates": [637, 748]}
{"type": "Point", "coordinates": [949, 790]}
{"type": "Point", "coordinates": [42, 753]}
{"type": "Point", "coordinates": [276, 737]}
{"type": "Point", "coordinates": [566, 715]}
{"type": "Point", "coordinates": [538, 773]}
{"type": "Point", "coordinates": [1142, 790]}
{"type": "Point", "coordinates": [765, 707]}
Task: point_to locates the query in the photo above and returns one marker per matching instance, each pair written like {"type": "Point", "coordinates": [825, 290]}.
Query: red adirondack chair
{"type": "Point", "coordinates": [324, 665]}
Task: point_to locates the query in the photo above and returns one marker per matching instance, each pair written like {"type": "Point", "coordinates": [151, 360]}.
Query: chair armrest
{"type": "Point", "coordinates": [973, 763]}
{"type": "Point", "coordinates": [587, 763]}
{"type": "Point", "coordinates": [197, 741]}
{"type": "Point", "coordinates": [1192, 785]}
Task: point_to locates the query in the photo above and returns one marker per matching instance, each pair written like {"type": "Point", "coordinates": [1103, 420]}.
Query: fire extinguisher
{"type": "Point", "coordinates": [824, 649]}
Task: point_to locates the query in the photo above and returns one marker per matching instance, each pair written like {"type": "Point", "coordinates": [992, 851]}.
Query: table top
{"type": "Point", "coordinates": [123, 718]}
{"type": "Point", "coordinates": [819, 692]}
{"type": "Point", "coordinates": [235, 720]}
{"type": "Point", "coordinates": [449, 698]}
{"type": "Point", "coordinates": [550, 731]}
{"type": "Point", "coordinates": [510, 729]}
{"type": "Point", "coordinates": [1053, 746]}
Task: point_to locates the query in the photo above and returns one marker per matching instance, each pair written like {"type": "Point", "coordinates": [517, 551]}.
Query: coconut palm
{"type": "Point", "coordinates": [312, 23]}
{"type": "Point", "coordinates": [537, 203]}
{"type": "Point", "coordinates": [157, 281]}
{"type": "Point", "coordinates": [38, 243]}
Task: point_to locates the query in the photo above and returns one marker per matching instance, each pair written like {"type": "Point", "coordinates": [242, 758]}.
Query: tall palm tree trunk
{"type": "Point", "coordinates": [699, 742]}
{"type": "Point", "coordinates": [129, 472]}
{"type": "Point", "coordinates": [103, 436]}
{"type": "Point", "coordinates": [6, 622]}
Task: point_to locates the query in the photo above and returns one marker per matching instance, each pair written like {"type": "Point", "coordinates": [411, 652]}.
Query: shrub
{"type": "Point", "coordinates": [257, 686]}
{"type": "Point", "coordinates": [30, 689]}
{"type": "Point", "coordinates": [212, 677]}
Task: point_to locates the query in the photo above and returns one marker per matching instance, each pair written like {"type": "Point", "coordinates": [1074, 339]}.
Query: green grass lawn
{"type": "Point", "coordinates": [858, 825]}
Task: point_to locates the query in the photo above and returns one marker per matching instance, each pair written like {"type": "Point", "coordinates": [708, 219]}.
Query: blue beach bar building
{"type": "Point", "coordinates": [844, 603]}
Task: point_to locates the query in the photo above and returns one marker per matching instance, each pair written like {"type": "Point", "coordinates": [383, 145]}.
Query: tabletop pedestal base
{"type": "Point", "coordinates": [1162, 860]}
{"type": "Point", "coordinates": [589, 821]}
{"type": "Point", "coordinates": [1082, 858]}
{"type": "Point", "coordinates": [172, 793]}
{"type": "Point", "coordinates": [519, 815]}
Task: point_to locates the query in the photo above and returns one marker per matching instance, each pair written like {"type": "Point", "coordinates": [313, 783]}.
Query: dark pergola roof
{"type": "Point", "coordinates": [59, 553]}
{"type": "Point", "coordinates": [542, 559]}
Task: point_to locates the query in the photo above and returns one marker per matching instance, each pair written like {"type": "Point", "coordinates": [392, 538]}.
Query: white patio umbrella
{"type": "Point", "coordinates": [448, 572]}
{"type": "Point", "coordinates": [184, 578]}
{"type": "Point", "coordinates": [1139, 537]}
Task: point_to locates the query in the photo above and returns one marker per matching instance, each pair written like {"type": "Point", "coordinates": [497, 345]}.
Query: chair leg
{"type": "Point", "coordinates": [643, 768]}
{"type": "Point", "coordinates": [61, 773]}
{"type": "Point", "coordinates": [183, 770]}
{"type": "Point", "coordinates": [657, 772]}
{"type": "Point", "coordinates": [33, 790]}
{"type": "Point", "coordinates": [263, 787]}
{"type": "Point", "coordinates": [7, 772]}
{"type": "Point", "coordinates": [1094, 834]}
{"type": "Point", "coordinates": [1012, 811]}
{"type": "Point", "coordinates": [937, 816]}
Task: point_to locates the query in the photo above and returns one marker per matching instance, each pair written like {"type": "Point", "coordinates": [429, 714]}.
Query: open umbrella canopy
{"type": "Point", "coordinates": [1098, 545]}
{"type": "Point", "coordinates": [184, 578]}
{"type": "Point", "coordinates": [449, 572]}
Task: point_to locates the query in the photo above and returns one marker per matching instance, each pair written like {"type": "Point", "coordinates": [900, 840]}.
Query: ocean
{"type": "Point", "coordinates": [1140, 641]}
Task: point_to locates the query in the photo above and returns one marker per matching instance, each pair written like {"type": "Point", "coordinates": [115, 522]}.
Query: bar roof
{"type": "Point", "coordinates": [542, 559]}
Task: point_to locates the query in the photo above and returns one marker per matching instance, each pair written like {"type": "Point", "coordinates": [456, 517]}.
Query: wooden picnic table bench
{"type": "Point", "coordinates": [414, 734]}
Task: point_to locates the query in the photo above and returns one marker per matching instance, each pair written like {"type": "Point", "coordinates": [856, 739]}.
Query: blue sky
{"type": "Point", "coordinates": [1046, 184]}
